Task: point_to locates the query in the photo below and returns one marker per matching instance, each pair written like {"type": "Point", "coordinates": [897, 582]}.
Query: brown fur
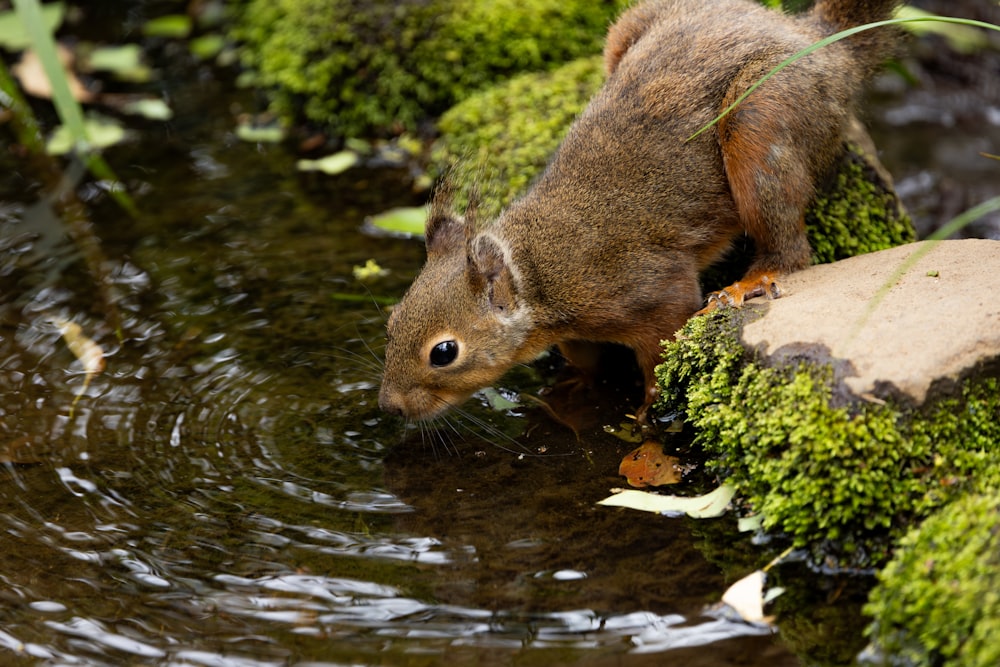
{"type": "Point", "coordinates": [607, 245]}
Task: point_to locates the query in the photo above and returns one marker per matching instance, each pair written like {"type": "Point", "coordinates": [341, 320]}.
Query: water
{"type": "Point", "coordinates": [226, 491]}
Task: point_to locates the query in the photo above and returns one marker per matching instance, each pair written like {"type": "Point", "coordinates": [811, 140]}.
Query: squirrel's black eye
{"type": "Point", "coordinates": [444, 353]}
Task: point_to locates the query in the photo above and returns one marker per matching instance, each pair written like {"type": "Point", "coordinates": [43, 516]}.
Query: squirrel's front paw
{"type": "Point", "coordinates": [761, 283]}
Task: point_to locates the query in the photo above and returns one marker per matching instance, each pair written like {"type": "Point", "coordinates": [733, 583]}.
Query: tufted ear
{"type": "Point", "coordinates": [489, 268]}
{"type": "Point", "coordinates": [444, 232]}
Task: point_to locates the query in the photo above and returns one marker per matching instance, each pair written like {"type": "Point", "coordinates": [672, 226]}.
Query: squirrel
{"type": "Point", "coordinates": [607, 244]}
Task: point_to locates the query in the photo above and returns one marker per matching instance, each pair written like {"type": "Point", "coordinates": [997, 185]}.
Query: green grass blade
{"type": "Point", "coordinates": [97, 166]}
{"type": "Point", "coordinates": [26, 126]}
{"type": "Point", "coordinates": [69, 110]}
{"type": "Point", "coordinates": [836, 37]}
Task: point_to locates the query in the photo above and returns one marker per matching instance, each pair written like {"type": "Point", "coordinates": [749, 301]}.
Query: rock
{"type": "Point", "coordinates": [853, 407]}
{"type": "Point", "coordinates": [937, 322]}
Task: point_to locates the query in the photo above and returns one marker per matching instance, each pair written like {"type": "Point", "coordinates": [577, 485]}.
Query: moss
{"type": "Point", "coordinates": [855, 212]}
{"type": "Point", "coordinates": [502, 138]}
{"type": "Point", "coordinates": [360, 68]}
{"type": "Point", "coordinates": [938, 601]}
{"type": "Point", "coordinates": [843, 479]}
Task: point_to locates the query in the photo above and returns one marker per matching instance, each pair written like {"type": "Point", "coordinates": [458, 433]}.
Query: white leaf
{"type": "Point", "coordinates": [87, 352]}
{"type": "Point", "coordinates": [699, 507]}
{"type": "Point", "coordinates": [746, 597]}
{"type": "Point", "coordinates": [750, 523]}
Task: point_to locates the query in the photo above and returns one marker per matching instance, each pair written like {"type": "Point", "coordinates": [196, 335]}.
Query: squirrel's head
{"type": "Point", "coordinates": [459, 327]}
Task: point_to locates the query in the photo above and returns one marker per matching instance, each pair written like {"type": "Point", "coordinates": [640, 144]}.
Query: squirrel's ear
{"type": "Point", "coordinates": [625, 32]}
{"type": "Point", "coordinates": [443, 232]}
{"type": "Point", "coordinates": [489, 268]}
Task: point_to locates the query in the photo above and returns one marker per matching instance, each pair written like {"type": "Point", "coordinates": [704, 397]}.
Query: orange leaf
{"type": "Point", "coordinates": [649, 466]}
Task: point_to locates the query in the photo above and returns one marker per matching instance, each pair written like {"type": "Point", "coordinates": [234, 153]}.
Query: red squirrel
{"type": "Point", "coordinates": [607, 245]}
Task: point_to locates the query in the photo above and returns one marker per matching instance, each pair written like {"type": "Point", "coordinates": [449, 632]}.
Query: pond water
{"type": "Point", "coordinates": [226, 491]}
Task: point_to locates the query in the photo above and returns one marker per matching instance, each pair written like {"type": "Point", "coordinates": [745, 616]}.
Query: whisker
{"type": "Point", "coordinates": [455, 424]}
{"type": "Point", "coordinates": [377, 358]}
{"type": "Point", "coordinates": [496, 437]}
{"type": "Point", "coordinates": [362, 361]}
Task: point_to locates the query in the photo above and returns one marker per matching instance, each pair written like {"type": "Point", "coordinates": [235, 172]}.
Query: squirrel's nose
{"type": "Point", "coordinates": [388, 404]}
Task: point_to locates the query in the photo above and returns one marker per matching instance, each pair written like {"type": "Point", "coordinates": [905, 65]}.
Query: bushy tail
{"type": "Point", "coordinates": [871, 46]}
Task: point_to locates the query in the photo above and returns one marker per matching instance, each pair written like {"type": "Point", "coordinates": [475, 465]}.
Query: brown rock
{"type": "Point", "coordinates": [887, 332]}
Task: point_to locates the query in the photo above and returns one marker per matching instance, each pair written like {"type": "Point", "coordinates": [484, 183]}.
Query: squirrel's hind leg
{"type": "Point", "coordinates": [773, 144]}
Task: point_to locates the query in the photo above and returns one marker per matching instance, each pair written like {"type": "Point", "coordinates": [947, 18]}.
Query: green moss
{"type": "Point", "coordinates": [502, 138]}
{"type": "Point", "coordinates": [358, 68]}
{"type": "Point", "coordinates": [841, 478]}
{"type": "Point", "coordinates": [856, 212]}
{"type": "Point", "coordinates": [938, 601]}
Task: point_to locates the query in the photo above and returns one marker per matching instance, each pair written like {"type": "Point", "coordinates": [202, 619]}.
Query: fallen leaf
{"type": "Point", "coordinates": [747, 524]}
{"type": "Point", "coordinates": [172, 25]}
{"type": "Point", "coordinates": [647, 465]}
{"type": "Point", "coordinates": [252, 131]}
{"type": "Point", "coordinates": [35, 81]}
{"type": "Point", "coordinates": [746, 597]}
{"type": "Point", "coordinates": [88, 353]}
{"type": "Point", "coordinates": [626, 432]}
{"type": "Point", "coordinates": [124, 61]}
{"type": "Point", "coordinates": [331, 164]}
{"type": "Point", "coordinates": [19, 452]}
{"type": "Point", "coordinates": [370, 270]}
{"type": "Point", "coordinates": [961, 38]}
{"type": "Point", "coordinates": [152, 108]}
{"type": "Point", "coordinates": [405, 220]}
{"type": "Point", "coordinates": [101, 133]}
{"type": "Point", "coordinates": [206, 46]}
{"type": "Point", "coordinates": [498, 402]}
{"type": "Point", "coordinates": [699, 507]}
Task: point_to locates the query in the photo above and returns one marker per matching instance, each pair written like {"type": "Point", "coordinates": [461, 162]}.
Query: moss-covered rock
{"type": "Point", "coordinates": [938, 601]}
{"type": "Point", "coordinates": [856, 211]}
{"type": "Point", "coordinates": [360, 68]}
{"type": "Point", "coordinates": [862, 462]}
{"type": "Point", "coordinates": [844, 478]}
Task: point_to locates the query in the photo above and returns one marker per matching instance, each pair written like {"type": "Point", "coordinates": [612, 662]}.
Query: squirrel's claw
{"type": "Point", "coordinates": [760, 283]}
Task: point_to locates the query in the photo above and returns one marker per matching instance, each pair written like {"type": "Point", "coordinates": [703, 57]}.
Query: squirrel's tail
{"type": "Point", "coordinates": [871, 46]}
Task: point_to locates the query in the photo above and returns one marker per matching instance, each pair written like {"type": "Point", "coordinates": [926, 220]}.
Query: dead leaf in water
{"type": "Point", "coordinates": [18, 452]}
{"type": "Point", "coordinates": [647, 465]}
{"type": "Point", "coordinates": [746, 597]}
{"type": "Point", "coordinates": [13, 36]}
{"type": "Point", "coordinates": [35, 81]}
{"type": "Point", "coordinates": [369, 271]}
{"type": "Point", "coordinates": [626, 432]}
{"type": "Point", "coordinates": [334, 164]}
{"type": "Point", "coordinates": [87, 352]}
{"type": "Point", "coordinates": [707, 506]}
